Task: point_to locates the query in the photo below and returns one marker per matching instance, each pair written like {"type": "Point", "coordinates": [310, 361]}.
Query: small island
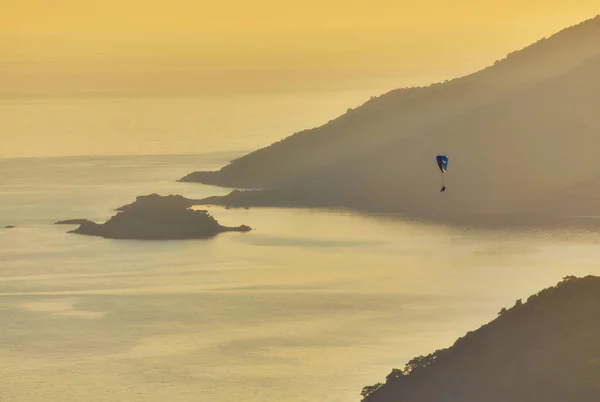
{"type": "Point", "coordinates": [156, 217]}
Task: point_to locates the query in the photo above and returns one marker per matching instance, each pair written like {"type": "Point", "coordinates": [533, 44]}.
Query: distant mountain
{"type": "Point", "coordinates": [517, 133]}
{"type": "Point", "coordinates": [544, 350]}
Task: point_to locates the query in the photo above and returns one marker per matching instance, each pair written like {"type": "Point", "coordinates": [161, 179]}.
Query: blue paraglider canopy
{"type": "Point", "coordinates": [442, 162]}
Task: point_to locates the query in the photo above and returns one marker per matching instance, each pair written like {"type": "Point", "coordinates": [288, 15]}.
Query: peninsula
{"type": "Point", "coordinates": [521, 136]}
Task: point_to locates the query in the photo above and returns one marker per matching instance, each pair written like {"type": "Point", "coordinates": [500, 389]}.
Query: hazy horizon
{"type": "Point", "coordinates": [63, 47]}
{"type": "Point", "coordinates": [89, 101]}
{"type": "Point", "coordinates": [154, 125]}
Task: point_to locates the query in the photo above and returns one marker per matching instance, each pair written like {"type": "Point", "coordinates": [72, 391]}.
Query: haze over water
{"type": "Point", "coordinates": [133, 125]}
{"type": "Point", "coordinates": [100, 103]}
{"type": "Point", "coordinates": [312, 305]}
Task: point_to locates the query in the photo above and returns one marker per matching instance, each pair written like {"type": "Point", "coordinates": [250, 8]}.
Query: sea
{"type": "Point", "coordinates": [311, 305]}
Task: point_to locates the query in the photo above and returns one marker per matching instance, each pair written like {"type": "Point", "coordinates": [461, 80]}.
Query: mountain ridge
{"type": "Point", "coordinates": [406, 101]}
{"type": "Point", "coordinates": [503, 151]}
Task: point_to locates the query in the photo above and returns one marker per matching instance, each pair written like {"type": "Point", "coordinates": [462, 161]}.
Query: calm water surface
{"type": "Point", "coordinates": [310, 306]}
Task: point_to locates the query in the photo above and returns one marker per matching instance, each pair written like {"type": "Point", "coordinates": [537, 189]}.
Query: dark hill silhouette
{"type": "Point", "coordinates": [403, 113]}
{"type": "Point", "coordinates": [508, 155]}
{"type": "Point", "coordinates": [155, 217]}
{"type": "Point", "coordinates": [544, 350]}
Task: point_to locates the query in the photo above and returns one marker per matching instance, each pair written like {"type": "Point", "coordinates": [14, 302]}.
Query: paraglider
{"type": "Point", "coordinates": [442, 162]}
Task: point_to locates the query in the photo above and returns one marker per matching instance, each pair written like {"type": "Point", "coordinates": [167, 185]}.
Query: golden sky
{"type": "Point", "coordinates": [413, 38]}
